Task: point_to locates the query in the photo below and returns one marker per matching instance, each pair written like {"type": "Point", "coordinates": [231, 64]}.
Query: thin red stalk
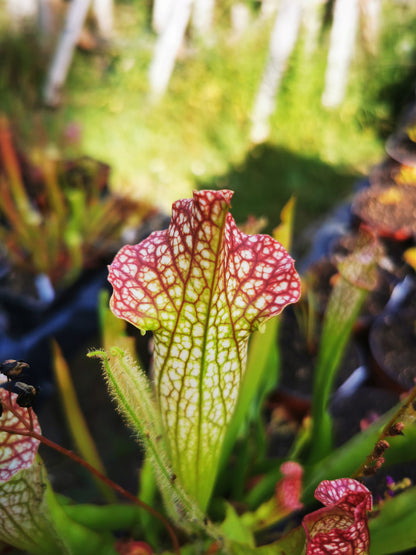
{"type": "Point", "coordinates": [9, 156]}
{"type": "Point", "coordinates": [29, 411]}
{"type": "Point", "coordinates": [13, 172]}
{"type": "Point", "coordinates": [31, 433]}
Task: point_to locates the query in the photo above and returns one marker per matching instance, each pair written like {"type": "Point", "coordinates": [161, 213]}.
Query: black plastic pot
{"type": "Point", "coordinates": [28, 324]}
{"type": "Point", "coordinates": [298, 365]}
{"type": "Point", "coordinates": [392, 343]}
{"type": "Point", "coordinates": [353, 413]}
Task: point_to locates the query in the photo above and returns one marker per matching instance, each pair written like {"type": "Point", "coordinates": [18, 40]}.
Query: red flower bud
{"type": "Point", "coordinates": [289, 487]}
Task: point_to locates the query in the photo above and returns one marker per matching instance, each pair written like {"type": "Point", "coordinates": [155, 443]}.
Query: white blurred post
{"type": "Point", "coordinates": [341, 49]}
{"type": "Point", "coordinates": [371, 13]}
{"type": "Point", "coordinates": [240, 19]}
{"type": "Point", "coordinates": [269, 7]}
{"type": "Point", "coordinates": [311, 22]}
{"type": "Point", "coordinates": [103, 14]}
{"type": "Point", "coordinates": [167, 47]}
{"type": "Point", "coordinates": [282, 42]}
{"type": "Point", "coordinates": [77, 12]}
{"type": "Point", "coordinates": [161, 13]}
{"type": "Point", "coordinates": [203, 17]}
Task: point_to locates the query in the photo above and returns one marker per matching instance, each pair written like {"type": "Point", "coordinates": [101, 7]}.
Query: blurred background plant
{"type": "Point", "coordinates": [58, 217]}
{"type": "Point", "coordinates": [206, 111]}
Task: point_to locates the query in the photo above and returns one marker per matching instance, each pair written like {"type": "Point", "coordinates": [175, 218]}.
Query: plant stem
{"type": "Point", "coordinates": [399, 416]}
{"type": "Point", "coordinates": [29, 411]}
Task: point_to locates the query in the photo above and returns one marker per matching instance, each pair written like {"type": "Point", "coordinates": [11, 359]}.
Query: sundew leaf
{"type": "Point", "coordinates": [202, 286]}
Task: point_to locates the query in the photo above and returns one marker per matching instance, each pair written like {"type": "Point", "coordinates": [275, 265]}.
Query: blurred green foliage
{"type": "Point", "coordinates": [198, 134]}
